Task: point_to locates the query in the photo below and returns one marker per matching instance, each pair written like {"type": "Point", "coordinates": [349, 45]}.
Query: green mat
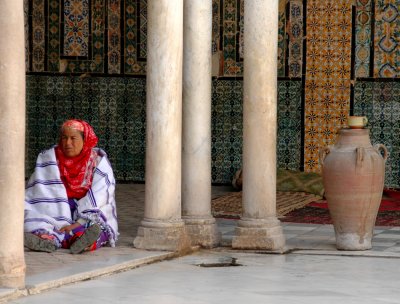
{"type": "Point", "coordinates": [291, 181]}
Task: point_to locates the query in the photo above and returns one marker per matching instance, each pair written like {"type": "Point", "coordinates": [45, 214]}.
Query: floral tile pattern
{"type": "Point", "coordinates": [114, 36]}
{"type": "Point", "coordinates": [216, 27]}
{"type": "Point", "coordinates": [81, 49]}
{"type": "Point", "coordinates": [327, 83]}
{"type": "Point", "coordinates": [282, 39]}
{"type": "Point", "coordinates": [233, 66]}
{"type": "Point", "coordinates": [76, 28]}
{"type": "Point", "coordinates": [53, 36]}
{"type": "Point", "coordinates": [132, 39]}
{"type": "Point", "coordinates": [38, 36]}
{"type": "Point", "coordinates": [363, 38]}
{"type": "Point", "coordinates": [387, 35]}
{"type": "Point", "coordinates": [295, 33]}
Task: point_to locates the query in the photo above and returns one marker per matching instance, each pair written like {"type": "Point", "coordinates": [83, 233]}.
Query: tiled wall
{"type": "Point", "coordinates": [115, 107]}
{"type": "Point", "coordinates": [331, 54]}
{"type": "Point", "coordinates": [380, 102]}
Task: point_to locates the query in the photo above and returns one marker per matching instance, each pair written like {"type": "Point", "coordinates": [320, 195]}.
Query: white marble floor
{"type": "Point", "coordinates": [256, 278]}
{"type": "Point", "coordinates": [310, 271]}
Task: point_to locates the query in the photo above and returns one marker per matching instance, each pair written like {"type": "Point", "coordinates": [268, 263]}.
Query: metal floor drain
{"type": "Point", "coordinates": [232, 262]}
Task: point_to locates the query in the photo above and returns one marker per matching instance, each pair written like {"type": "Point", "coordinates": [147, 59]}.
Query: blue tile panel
{"type": "Point", "coordinates": [115, 106]}
{"type": "Point", "coordinates": [380, 102]}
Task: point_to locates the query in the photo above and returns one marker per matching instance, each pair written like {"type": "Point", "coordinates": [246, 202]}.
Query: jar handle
{"type": "Point", "coordinates": [381, 147]}
{"type": "Point", "coordinates": [360, 156]}
{"type": "Point", "coordinates": [323, 152]}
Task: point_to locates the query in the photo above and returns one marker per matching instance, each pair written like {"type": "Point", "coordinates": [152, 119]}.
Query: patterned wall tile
{"type": "Point", "coordinates": [227, 126]}
{"type": "Point", "coordinates": [114, 36]}
{"type": "Point", "coordinates": [216, 18]}
{"type": "Point", "coordinates": [295, 33]}
{"type": "Point", "coordinates": [76, 28]}
{"type": "Point", "coordinates": [114, 106]}
{"type": "Point", "coordinates": [282, 38]}
{"type": "Point", "coordinates": [363, 38]}
{"type": "Point", "coordinates": [132, 39]}
{"type": "Point", "coordinates": [54, 36]}
{"type": "Point", "coordinates": [26, 27]}
{"type": "Point", "coordinates": [387, 35]}
{"type": "Point", "coordinates": [241, 30]}
{"type": "Point", "coordinates": [75, 36]}
{"type": "Point", "coordinates": [379, 101]}
{"type": "Point", "coordinates": [233, 66]}
{"type": "Point", "coordinates": [38, 36]}
{"type": "Point", "coordinates": [96, 65]}
{"type": "Point", "coordinates": [327, 83]}
{"type": "Point", "coordinates": [90, 60]}
{"type": "Point", "coordinates": [51, 99]}
{"type": "Point", "coordinates": [289, 144]}
{"type": "Point", "coordinates": [143, 29]}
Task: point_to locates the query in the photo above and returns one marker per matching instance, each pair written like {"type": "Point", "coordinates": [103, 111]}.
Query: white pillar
{"type": "Point", "coordinates": [162, 227]}
{"type": "Point", "coordinates": [12, 143]}
{"type": "Point", "coordinates": [196, 152]}
{"type": "Point", "coordinates": [259, 228]}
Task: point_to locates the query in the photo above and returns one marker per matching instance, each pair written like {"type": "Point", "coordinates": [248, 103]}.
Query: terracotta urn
{"type": "Point", "coordinates": [353, 174]}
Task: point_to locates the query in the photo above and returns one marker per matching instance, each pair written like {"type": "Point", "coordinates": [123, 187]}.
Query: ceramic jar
{"type": "Point", "coordinates": [353, 174]}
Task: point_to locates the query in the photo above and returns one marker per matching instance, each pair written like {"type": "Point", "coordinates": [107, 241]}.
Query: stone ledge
{"type": "Point", "coordinates": [8, 294]}
{"type": "Point", "coordinates": [80, 271]}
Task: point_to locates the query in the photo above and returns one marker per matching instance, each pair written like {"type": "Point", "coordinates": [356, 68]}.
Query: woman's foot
{"type": "Point", "coordinates": [36, 243]}
{"type": "Point", "coordinates": [90, 236]}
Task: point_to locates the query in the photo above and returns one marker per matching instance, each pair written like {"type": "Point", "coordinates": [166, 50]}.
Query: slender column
{"type": "Point", "coordinates": [196, 152]}
{"type": "Point", "coordinates": [12, 143]}
{"type": "Point", "coordinates": [162, 227]}
{"type": "Point", "coordinates": [259, 228]}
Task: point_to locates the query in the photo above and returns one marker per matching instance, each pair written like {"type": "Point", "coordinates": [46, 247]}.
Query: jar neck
{"type": "Point", "coordinates": [353, 137]}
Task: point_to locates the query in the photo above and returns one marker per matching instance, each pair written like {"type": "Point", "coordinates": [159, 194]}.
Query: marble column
{"type": "Point", "coordinates": [258, 227]}
{"type": "Point", "coordinates": [162, 227]}
{"type": "Point", "coordinates": [196, 152]}
{"type": "Point", "coordinates": [12, 143]}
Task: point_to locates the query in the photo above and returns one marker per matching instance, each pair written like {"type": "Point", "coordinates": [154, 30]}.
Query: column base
{"type": "Point", "coordinates": [12, 272]}
{"type": "Point", "coordinates": [202, 231]}
{"type": "Point", "coordinates": [159, 235]}
{"type": "Point", "coordinates": [264, 234]}
{"type": "Point", "coordinates": [12, 281]}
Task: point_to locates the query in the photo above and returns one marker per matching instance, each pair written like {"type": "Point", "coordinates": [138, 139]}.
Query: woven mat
{"type": "Point", "coordinates": [230, 205]}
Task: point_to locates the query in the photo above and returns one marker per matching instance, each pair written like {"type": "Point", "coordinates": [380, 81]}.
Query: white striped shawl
{"type": "Point", "coordinates": [46, 201]}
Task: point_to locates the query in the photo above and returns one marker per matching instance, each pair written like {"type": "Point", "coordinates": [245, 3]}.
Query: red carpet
{"type": "Point", "coordinates": [318, 213]}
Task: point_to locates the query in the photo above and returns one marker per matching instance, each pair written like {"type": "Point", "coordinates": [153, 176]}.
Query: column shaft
{"type": "Point", "coordinates": [162, 227]}
{"type": "Point", "coordinates": [259, 227]}
{"type": "Point", "coordinates": [196, 152]}
{"type": "Point", "coordinates": [12, 143]}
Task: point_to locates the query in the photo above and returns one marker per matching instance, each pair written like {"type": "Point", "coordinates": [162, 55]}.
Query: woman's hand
{"type": "Point", "coordinates": [69, 228]}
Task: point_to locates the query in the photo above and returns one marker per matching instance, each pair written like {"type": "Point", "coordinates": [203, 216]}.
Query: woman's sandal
{"type": "Point", "coordinates": [90, 236]}
{"type": "Point", "coordinates": [36, 243]}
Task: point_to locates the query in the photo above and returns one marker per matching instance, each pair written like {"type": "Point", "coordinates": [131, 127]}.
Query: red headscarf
{"type": "Point", "coordinates": [77, 172]}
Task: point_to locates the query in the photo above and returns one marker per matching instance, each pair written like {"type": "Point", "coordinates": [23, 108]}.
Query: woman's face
{"type": "Point", "coordinates": [71, 142]}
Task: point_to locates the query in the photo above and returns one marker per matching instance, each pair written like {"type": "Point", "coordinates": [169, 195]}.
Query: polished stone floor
{"type": "Point", "coordinates": [310, 271]}
{"type": "Point", "coordinates": [226, 276]}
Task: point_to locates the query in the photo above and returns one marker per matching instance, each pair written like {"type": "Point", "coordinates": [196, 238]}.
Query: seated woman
{"type": "Point", "coordinates": [70, 197]}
